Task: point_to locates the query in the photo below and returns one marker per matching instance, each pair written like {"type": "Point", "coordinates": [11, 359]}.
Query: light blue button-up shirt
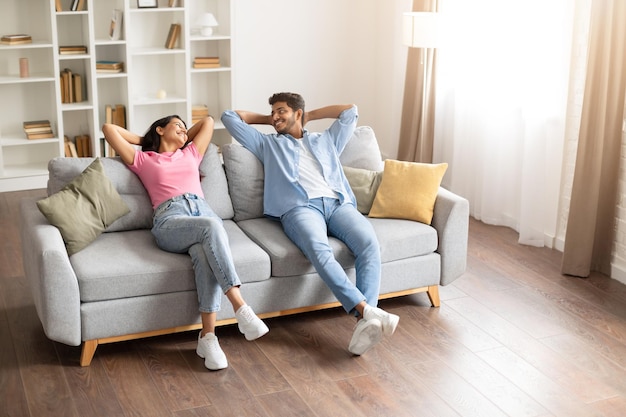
{"type": "Point", "coordinates": [280, 155]}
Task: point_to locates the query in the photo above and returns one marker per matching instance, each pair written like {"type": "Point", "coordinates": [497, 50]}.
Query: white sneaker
{"type": "Point", "coordinates": [389, 321]}
{"type": "Point", "coordinates": [366, 334]}
{"type": "Point", "coordinates": [249, 324]}
{"type": "Point", "coordinates": [209, 349]}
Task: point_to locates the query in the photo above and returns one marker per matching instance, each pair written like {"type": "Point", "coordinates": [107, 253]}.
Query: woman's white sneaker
{"type": "Point", "coordinates": [249, 324]}
{"type": "Point", "coordinates": [209, 349]}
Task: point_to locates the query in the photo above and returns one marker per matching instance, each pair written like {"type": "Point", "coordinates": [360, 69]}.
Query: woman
{"type": "Point", "coordinates": [168, 166]}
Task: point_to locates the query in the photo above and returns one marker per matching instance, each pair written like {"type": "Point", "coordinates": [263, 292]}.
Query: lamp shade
{"type": "Point", "coordinates": [207, 20]}
{"type": "Point", "coordinates": [420, 29]}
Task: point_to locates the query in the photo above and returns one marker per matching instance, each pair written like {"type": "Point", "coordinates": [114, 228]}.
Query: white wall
{"type": "Point", "coordinates": [330, 51]}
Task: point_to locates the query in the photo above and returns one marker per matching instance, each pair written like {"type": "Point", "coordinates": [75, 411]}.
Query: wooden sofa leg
{"type": "Point", "coordinates": [433, 295]}
{"type": "Point", "coordinates": [89, 349]}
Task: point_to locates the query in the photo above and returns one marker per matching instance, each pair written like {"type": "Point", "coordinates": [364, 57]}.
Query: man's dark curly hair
{"type": "Point", "coordinates": [293, 100]}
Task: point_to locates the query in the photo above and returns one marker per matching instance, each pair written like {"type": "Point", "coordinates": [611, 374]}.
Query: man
{"type": "Point", "coordinates": [306, 189]}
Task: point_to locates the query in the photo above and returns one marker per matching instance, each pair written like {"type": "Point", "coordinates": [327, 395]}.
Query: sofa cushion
{"type": "Point", "coordinates": [408, 190]}
{"type": "Point", "coordinates": [399, 239]}
{"type": "Point", "coordinates": [245, 172]}
{"type": "Point", "coordinates": [134, 266]}
{"type": "Point", "coordinates": [214, 185]}
{"type": "Point", "coordinates": [362, 151]}
{"type": "Point", "coordinates": [245, 181]}
{"type": "Point", "coordinates": [84, 207]}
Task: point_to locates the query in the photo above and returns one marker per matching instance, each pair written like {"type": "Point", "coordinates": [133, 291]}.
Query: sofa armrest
{"type": "Point", "coordinates": [50, 276]}
{"type": "Point", "coordinates": [451, 219]}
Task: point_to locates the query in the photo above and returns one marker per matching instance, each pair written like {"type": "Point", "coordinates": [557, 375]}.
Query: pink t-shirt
{"type": "Point", "coordinates": [169, 174]}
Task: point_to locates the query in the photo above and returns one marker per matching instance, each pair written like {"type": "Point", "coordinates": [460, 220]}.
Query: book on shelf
{"type": "Point", "coordinates": [71, 87]}
{"type": "Point", "coordinates": [109, 66]}
{"type": "Point", "coordinates": [17, 39]}
{"type": "Point", "coordinates": [77, 86]}
{"type": "Point", "coordinates": [198, 112]}
{"type": "Point", "coordinates": [58, 5]}
{"type": "Point", "coordinates": [115, 114]}
{"type": "Point", "coordinates": [207, 59]}
{"type": "Point", "coordinates": [72, 49]}
{"type": "Point", "coordinates": [202, 66]}
{"type": "Point", "coordinates": [172, 3]}
{"type": "Point", "coordinates": [83, 145]}
{"type": "Point", "coordinates": [36, 123]}
{"type": "Point", "coordinates": [172, 36]}
{"type": "Point", "coordinates": [70, 148]}
{"type": "Point", "coordinates": [115, 30]}
{"type": "Point", "coordinates": [43, 129]}
{"type": "Point", "coordinates": [45, 135]}
{"type": "Point", "coordinates": [77, 5]}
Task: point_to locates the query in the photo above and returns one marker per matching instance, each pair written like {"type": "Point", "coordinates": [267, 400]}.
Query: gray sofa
{"type": "Point", "coordinates": [122, 287]}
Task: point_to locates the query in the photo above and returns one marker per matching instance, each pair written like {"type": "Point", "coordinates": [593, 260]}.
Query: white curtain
{"type": "Point", "coordinates": [502, 78]}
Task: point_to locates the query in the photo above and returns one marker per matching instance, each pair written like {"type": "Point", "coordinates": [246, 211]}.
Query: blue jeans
{"type": "Point", "coordinates": [186, 224]}
{"type": "Point", "coordinates": [309, 227]}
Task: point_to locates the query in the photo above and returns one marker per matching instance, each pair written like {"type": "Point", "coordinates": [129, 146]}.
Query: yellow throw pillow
{"type": "Point", "coordinates": [408, 190]}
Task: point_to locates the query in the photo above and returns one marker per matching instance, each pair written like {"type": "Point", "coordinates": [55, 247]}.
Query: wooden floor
{"type": "Point", "coordinates": [513, 337]}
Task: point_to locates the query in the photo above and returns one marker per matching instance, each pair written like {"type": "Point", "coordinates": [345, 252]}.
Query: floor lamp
{"type": "Point", "coordinates": [421, 30]}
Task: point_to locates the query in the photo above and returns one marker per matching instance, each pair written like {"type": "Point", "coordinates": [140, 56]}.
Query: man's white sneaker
{"type": "Point", "coordinates": [366, 334]}
{"type": "Point", "coordinates": [209, 349]}
{"type": "Point", "coordinates": [389, 321]}
{"type": "Point", "coordinates": [249, 324]}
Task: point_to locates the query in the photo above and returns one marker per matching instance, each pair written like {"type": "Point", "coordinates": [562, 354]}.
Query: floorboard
{"type": "Point", "coordinates": [513, 337]}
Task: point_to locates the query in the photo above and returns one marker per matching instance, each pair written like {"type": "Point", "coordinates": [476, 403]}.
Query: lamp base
{"type": "Point", "coordinates": [206, 31]}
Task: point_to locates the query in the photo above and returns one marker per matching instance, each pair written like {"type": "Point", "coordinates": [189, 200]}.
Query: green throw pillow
{"type": "Point", "coordinates": [364, 184]}
{"type": "Point", "coordinates": [84, 208]}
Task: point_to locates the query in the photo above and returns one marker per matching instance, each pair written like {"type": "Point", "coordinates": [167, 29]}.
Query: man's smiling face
{"type": "Point", "coordinates": [284, 119]}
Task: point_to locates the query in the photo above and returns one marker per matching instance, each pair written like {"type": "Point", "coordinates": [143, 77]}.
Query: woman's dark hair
{"type": "Point", "coordinates": [151, 141]}
{"type": "Point", "coordinates": [293, 100]}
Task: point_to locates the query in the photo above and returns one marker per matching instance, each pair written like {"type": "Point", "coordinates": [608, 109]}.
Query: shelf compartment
{"type": "Point", "coordinates": [39, 60]}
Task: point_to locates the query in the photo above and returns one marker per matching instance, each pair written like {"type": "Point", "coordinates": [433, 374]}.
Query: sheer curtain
{"type": "Point", "coordinates": [502, 78]}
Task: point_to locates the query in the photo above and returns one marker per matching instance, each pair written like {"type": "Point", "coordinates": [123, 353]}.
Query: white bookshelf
{"type": "Point", "coordinates": [148, 68]}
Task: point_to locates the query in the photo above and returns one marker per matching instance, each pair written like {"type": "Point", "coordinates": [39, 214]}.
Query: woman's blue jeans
{"type": "Point", "coordinates": [309, 227]}
{"type": "Point", "coordinates": [186, 224]}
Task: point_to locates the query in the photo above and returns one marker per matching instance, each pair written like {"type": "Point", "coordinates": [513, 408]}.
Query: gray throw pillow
{"type": "Point", "coordinates": [214, 184]}
{"type": "Point", "coordinates": [245, 176]}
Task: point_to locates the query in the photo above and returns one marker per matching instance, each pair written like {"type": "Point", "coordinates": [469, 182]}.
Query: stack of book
{"type": "Point", "coordinates": [206, 62]}
{"type": "Point", "coordinates": [72, 50]}
{"type": "Point", "coordinates": [198, 112]}
{"type": "Point", "coordinates": [71, 87]}
{"type": "Point", "coordinates": [116, 115]}
{"type": "Point", "coordinates": [38, 129]}
{"type": "Point", "coordinates": [109, 66]}
{"type": "Point", "coordinates": [16, 39]}
{"type": "Point", "coordinates": [81, 147]}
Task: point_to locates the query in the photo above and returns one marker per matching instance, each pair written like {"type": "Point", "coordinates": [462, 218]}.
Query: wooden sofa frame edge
{"type": "Point", "coordinates": [90, 346]}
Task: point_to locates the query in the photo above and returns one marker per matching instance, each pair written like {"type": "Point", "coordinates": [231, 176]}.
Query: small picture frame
{"type": "Point", "coordinates": [145, 4]}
